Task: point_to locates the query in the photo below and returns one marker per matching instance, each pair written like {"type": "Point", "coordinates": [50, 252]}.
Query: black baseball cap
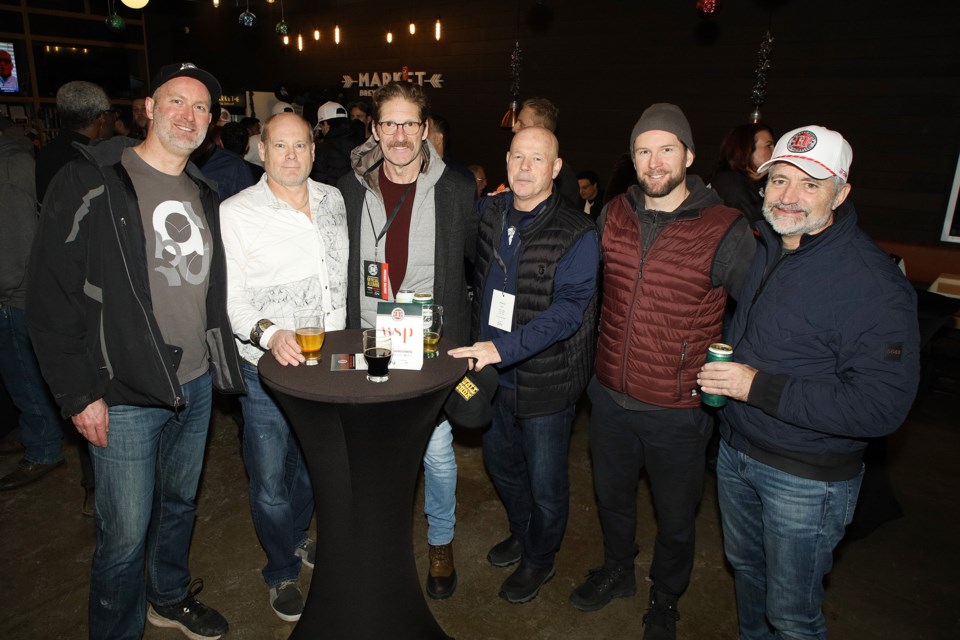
{"type": "Point", "coordinates": [469, 404]}
{"type": "Point", "coordinates": [188, 70]}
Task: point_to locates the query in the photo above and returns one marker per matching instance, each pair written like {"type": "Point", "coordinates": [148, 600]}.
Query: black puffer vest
{"type": "Point", "coordinates": [554, 378]}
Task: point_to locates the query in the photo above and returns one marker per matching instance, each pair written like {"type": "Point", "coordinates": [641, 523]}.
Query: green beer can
{"type": "Point", "coordinates": [717, 352]}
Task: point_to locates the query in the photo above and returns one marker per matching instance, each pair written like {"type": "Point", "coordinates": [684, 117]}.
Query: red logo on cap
{"type": "Point", "coordinates": [802, 142]}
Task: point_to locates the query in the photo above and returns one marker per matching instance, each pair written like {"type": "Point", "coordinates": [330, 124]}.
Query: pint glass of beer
{"type": "Point", "coordinates": [309, 329]}
{"type": "Point", "coordinates": [432, 329]}
{"type": "Point", "coordinates": [377, 351]}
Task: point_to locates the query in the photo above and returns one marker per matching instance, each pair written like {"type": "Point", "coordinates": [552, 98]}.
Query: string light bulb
{"type": "Point", "coordinates": [135, 4]}
{"type": "Point", "coordinates": [216, 4]}
{"type": "Point", "coordinates": [389, 37]}
{"type": "Point", "coordinates": [413, 28]}
{"type": "Point", "coordinates": [336, 34]}
{"type": "Point", "coordinates": [316, 35]}
{"type": "Point", "coordinates": [436, 30]}
{"type": "Point", "coordinates": [286, 39]}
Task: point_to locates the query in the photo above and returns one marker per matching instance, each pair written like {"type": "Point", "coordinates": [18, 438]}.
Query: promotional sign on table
{"type": "Point", "coordinates": [405, 322]}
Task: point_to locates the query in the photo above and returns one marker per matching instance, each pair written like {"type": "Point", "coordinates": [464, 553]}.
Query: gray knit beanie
{"type": "Point", "coordinates": [663, 116]}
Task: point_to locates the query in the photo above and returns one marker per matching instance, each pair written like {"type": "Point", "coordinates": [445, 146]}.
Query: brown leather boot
{"type": "Point", "coordinates": [442, 579]}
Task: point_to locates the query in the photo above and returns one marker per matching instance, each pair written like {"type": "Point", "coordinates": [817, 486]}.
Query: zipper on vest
{"type": "Point", "coordinates": [683, 359]}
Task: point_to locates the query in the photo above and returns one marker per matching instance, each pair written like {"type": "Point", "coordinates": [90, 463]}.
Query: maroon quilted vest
{"type": "Point", "coordinates": [660, 310]}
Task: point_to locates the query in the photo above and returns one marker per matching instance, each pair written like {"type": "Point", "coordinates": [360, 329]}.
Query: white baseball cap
{"type": "Point", "coordinates": [817, 151]}
{"type": "Point", "coordinates": [330, 110]}
{"type": "Point", "coordinates": [224, 117]}
{"type": "Point", "coordinates": [281, 107]}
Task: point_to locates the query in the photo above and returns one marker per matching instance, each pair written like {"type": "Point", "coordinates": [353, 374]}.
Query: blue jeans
{"type": "Point", "coordinates": [144, 509]}
{"type": "Point", "coordinates": [40, 422]}
{"type": "Point", "coordinates": [779, 532]}
{"type": "Point", "coordinates": [281, 498]}
{"type": "Point", "coordinates": [440, 486]}
{"type": "Point", "coordinates": [527, 459]}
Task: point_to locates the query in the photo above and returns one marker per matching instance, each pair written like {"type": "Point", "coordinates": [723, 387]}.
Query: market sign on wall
{"type": "Point", "coordinates": [370, 82]}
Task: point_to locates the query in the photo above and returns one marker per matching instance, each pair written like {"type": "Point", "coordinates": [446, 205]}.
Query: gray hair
{"type": "Point", "coordinates": [838, 183]}
{"type": "Point", "coordinates": [80, 103]}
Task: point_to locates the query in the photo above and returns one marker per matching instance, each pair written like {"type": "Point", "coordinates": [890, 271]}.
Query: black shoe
{"type": "Point", "coordinates": [660, 620]}
{"type": "Point", "coordinates": [524, 584]}
{"type": "Point", "coordinates": [442, 575]}
{"type": "Point", "coordinates": [603, 585]}
{"type": "Point", "coordinates": [505, 553]}
{"type": "Point", "coordinates": [25, 473]}
{"type": "Point", "coordinates": [196, 621]}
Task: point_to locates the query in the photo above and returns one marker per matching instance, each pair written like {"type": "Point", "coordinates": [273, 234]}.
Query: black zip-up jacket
{"type": "Point", "coordinates": [88, 303]}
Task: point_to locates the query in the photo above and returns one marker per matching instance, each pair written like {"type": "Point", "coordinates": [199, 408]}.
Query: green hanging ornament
{"type": "Point", "coordinates": [115, 23]}
{"type": "Point", "coordinates": [283, 28]}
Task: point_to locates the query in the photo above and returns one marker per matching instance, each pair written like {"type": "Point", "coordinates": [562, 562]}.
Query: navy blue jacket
{"type": "Point", "coordinates": [832, 330]}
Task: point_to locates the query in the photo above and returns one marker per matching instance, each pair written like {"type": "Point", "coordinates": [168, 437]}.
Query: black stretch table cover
{"type": "Point", "coordinates": [363, 443]}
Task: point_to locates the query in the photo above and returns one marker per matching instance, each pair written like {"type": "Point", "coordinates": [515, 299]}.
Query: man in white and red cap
{"type": "Point", "coordinates": [127, 309]}
{"type": "Point", "coordinates": [825, 357]}
{"type": "Point", "coordinates": [338, 139]}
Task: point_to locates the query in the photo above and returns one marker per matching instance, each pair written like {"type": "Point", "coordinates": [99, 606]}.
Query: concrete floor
{"type": "Point", "coordinates": [900, 582]}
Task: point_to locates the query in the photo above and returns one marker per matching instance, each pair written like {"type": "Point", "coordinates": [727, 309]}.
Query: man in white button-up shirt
{"type": "Point", "coordinates": [286, 245]}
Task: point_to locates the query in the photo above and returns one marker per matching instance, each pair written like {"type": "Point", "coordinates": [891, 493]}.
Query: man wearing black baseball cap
{"type": "Point", "coordinates": [132, 342]}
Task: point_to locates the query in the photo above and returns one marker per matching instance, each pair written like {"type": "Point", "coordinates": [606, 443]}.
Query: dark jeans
{"type": "Point", "coordinates": [527, 461]}
{"type": "Point", "coordinates": [281, 498]}
{"type": "Point", "coordinates": [144, 509]}
{"type": "Point", "coordinates": [40, 423]}
{"type": "Point", "coordinates": [670, 445]}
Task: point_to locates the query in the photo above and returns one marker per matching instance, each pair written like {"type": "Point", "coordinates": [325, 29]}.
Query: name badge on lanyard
{"type": "Point", "coordinates": [501, 310]}
{"type": "Point", "coordinates": [376, 279]}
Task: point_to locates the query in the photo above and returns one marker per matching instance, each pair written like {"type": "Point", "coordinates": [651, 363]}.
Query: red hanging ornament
{"type": "Point", "coordinates": [708, 7]}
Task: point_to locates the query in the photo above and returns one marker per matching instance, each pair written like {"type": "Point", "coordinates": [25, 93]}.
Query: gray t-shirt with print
{"type": "Point", "coordinates": [179, 253]}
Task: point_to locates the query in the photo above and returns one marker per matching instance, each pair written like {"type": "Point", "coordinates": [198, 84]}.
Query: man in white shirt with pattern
{"type": "Point", "coordinates": [286, 245]}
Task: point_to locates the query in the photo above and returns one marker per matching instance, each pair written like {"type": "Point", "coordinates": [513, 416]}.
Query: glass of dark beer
{"type": "Point", "coordinates": [377, 351]}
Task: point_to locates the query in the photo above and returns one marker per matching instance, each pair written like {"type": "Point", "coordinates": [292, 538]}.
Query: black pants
{"type": "Point", "coordinates": [670, 445]}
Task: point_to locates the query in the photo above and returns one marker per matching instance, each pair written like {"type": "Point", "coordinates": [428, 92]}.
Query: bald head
{"type": "Point", "coordinates": [532, 164]}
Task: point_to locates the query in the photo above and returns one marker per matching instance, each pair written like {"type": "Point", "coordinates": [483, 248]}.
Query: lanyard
{"type": "Point", "coordinates": [390, 218]}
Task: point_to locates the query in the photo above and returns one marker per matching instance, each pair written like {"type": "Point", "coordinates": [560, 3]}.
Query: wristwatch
{"type": "Point", "coordinates": [257, 332]}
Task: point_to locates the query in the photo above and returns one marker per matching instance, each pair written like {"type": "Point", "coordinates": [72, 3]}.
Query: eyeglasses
{"type": "Point", "coordinates": [411, 127]}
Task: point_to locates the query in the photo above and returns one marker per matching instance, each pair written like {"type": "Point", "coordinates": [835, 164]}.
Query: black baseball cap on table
{"type": "Point", "coordinates": [469, 404]}
{"type": "Point", "coordinates": [188, 70]}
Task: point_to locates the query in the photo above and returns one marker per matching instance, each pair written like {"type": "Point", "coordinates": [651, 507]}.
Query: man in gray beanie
{"type": "Point", "coordinates": [671, 253]}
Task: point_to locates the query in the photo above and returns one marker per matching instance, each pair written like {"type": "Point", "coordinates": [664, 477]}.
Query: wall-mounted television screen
{"type": "Point", "coordinates": [9, 80]}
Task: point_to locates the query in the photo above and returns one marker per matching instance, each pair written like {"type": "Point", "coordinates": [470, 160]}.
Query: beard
{"type": "Point", "coordinates": [667, 186]}
{"type": "Point", "coordinates": [794, 226]}
{"type": "Point", "coordinates": [168, 133]}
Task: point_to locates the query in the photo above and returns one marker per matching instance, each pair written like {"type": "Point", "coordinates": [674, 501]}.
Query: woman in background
{"type": "Point", "coordinates": [736, 179]}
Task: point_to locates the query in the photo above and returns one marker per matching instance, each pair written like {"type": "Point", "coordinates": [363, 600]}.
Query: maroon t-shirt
{"type": "Point", "coordinates": [398, 236]}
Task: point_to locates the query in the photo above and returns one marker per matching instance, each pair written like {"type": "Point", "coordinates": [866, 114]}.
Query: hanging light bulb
{"type": "Point", "coordinates": [413, 28]}
{"type": "Point", "coordinates": [316, 35]}
{"type": "Point", "coordinates": [216, 4]}
{"type": "Point", "coordinates": [300, 41]}
{"type": "Point", "coordinates": [336, 34]}
{"type": "Point", "coordinates": [389, 37]}
{"type": "Point", "coordinates": [286, 39]}
{"type": "Point", "coordinates": [436, 29]}
{"type": "Point", "coordinates": [271, 1]}
{"type": "Point", "coordinates": [135, 4]}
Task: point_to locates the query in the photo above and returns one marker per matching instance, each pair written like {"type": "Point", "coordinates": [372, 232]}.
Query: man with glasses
{"type": "Point", "coordinates": [411, 222]}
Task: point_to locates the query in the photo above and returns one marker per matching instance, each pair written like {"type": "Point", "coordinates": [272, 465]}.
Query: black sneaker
{"type": "Point", "coordinates": [660, 620]}
{"type": "Point", "coordinates": [287, 601]}
{"type": "Point", "coordinates": [506, 552]}
{"type": "Point", "coordinates": [603, 585]}
{"type": "Point", "coordinates": [191, 616]}
{"type": "Point", "coordinates": [307, 552]}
